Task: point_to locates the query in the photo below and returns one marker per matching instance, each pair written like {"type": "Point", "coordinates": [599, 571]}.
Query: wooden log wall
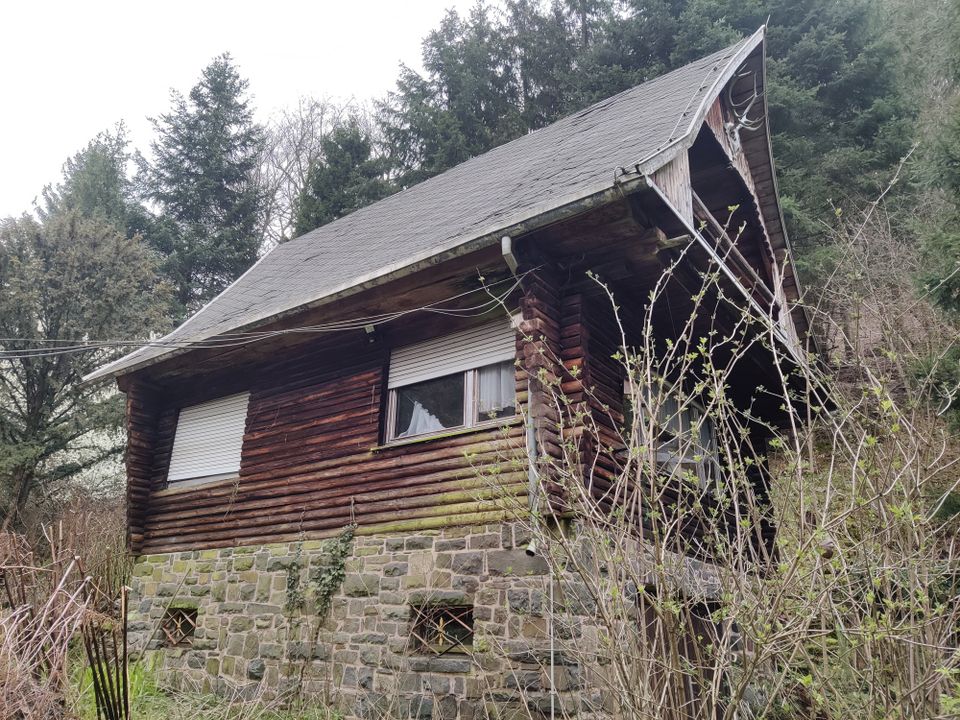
{"type": "Point", "coordinates": [311, 461]}
{"type": "Point", "coordinates": [142, 415]}
{"type": "Point", "coordinates": [540, 339]}
{"type": "Point", "coordinates": [590, 345]}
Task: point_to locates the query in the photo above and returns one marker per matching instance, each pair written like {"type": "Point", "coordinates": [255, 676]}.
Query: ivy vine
{"type": "Point", "coordinates": [328, 578]}
{"type": "Point", "coordinates": [325, 580]}
{"type": "Point", "coordinates": [295, 597]}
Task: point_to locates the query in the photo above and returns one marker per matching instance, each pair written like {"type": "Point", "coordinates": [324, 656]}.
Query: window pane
{"type": "Point", "coordinates": [496, 392]}
{"type": "Point", "coordinates": [670, 425]}
{"type": "Point", "coordinates": [429, 406]}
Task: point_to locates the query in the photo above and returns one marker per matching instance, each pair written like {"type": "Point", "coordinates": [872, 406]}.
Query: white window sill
{"type": "Point", "coordinates": [181, 486]}
{"type": "Point", "coordinates": [452, 432]}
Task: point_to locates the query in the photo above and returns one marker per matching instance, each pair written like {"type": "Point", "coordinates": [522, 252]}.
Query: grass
{"type": "Point", "coordinates": [150, 701]}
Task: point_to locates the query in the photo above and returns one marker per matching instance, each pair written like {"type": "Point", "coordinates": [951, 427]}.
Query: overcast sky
{"type": "Point", "coordinates": [71, 69]}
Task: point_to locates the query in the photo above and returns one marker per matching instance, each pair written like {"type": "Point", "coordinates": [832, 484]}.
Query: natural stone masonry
{"type": "Point", "coordinates": [258, 629]}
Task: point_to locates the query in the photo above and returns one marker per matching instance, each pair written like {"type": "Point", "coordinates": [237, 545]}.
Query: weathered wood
{"type": "Point", "coordinates": [395, 495]}
{"type": "Point", "coordinates": [339, 477]}
{"type": "Point", "coordinates": [142, 415]}
{"type": "Point", "coordinates": [311, 457]}
{"type": "Point", "coordinates": [673, 179]}
{"type": "Point", "coordinates": [242, 533]}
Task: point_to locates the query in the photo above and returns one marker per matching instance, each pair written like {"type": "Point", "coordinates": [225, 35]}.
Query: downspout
{"type": "Point", "coordinates": [506, 249]}
{"type": "Point", "coordinates": [533, 491]}
{"type": "Point", "coordinates": [533, 485]}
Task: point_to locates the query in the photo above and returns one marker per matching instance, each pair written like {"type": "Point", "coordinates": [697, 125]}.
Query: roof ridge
{"type": "Point", "coordinates": [714, 58]}
{"type": "Point", "coordinates": [511, 183]}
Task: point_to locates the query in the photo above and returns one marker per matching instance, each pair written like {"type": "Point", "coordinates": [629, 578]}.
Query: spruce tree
{"type": "Point", "coordinates": [202, 180]}
{"type": "Point", "coordinates": [67, 281]}
{"type": "Point", "coordinates": [346, 177]}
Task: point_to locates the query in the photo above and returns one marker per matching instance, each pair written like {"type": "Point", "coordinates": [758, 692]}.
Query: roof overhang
{"type": "Point", "coordinates": [547, 214]}
{"type": "Point", "coordinates": [623, 180]}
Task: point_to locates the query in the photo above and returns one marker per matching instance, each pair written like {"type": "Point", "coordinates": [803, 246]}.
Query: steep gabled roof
{"type": "Point", "coordinates": [475, 202]}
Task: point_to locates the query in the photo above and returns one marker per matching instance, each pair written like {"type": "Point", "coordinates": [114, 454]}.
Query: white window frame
{"type": "Point", "coordinates": [471, 403]}
{"type": "Point", "coordinates": [708, 466]}
{"type": "Point", "coordinates": [185, 451]}
{"type": "Point", "coordinates": [470, 387]}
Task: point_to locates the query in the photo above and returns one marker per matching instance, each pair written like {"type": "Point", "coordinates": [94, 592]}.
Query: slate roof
{"type": "Point", "coordinates": [519, 180]}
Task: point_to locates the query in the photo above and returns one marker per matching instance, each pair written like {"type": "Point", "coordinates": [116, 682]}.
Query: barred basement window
{"type": "Point", "coordinates": [439, 629]}
{"type": "Point", "coordinates": [178, 626]}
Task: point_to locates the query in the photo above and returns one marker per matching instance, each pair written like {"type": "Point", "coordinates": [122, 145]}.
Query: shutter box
{"type": "Point", "coordinates": [465, 350]}
{"type": "Point", "coordinates": [208, 440]}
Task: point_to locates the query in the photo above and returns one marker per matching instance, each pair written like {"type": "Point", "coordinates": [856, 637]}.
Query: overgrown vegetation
{"type": "Point", "coordinates": [853, 609]}
{"type": "Point", "coordinates": [853, 615]}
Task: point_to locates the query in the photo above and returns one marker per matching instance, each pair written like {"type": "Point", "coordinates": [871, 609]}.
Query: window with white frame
{"type": "Point", "coordinates": [461, 380]}
{"type": "Point", "coordinates": [208, 441]}
{"type": "Point", "coordinates": [684, 434]}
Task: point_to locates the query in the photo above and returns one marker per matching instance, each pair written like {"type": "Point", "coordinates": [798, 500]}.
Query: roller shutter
{"type": "Point", "coordinates": [458, 352]}
{"type": "Point", "coordinates": [208, 440]}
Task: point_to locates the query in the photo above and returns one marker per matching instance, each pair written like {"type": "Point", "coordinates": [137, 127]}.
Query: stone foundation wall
{"type": "Point", "coordinates": [262, 628]}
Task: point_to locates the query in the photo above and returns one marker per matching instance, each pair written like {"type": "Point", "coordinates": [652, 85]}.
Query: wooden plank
{"type": "Point", "coordinates": [673, 179]}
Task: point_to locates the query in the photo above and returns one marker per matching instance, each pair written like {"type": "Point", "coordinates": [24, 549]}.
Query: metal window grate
{"type": "Point", "coordinates": [178, 626]}
{"type": "Point", "coordinates": [439, 629]}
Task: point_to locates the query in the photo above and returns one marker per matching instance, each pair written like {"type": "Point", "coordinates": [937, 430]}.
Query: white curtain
{"type": "Point", "coordinates": [421, 421]}
{"type": "Point", "coordinates": [496, 389]}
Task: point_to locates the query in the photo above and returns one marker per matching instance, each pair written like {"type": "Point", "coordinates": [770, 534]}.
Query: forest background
{"type": "Point", "coordinates": [126, 244]}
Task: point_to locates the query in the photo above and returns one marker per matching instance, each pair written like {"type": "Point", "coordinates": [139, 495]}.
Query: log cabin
{"type": "Point", "coordinates": [306, 495]}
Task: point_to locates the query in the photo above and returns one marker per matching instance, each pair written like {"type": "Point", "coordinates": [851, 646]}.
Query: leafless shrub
{"type": "Point", "coordinates": [778, 553]}
{"type": "Point", "coordinates": [64, 584]}
{"type": "Point", "coordinates": [42, 609]}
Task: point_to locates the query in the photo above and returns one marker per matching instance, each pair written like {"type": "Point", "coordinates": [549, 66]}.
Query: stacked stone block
{"type": "Point", "coordinates": [259, 631]}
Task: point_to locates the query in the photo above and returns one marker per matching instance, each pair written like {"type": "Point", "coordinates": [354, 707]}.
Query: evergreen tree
{"type": "Point", "coordinates": [838, 116]}
{"type": "Point", "coordinates": [95, 181]}
{"type": "Point", "coordinates": [931, 39]}
{"type": "Point", "coordinates": [465, 104]}
{"type": "Point", "coordinates": [96, 184]}
{"type": "Point", "coordinates": [542, 45]}
{"type": "Point", "coordinates": [940, 230]}
{"type": "Point", "coordinates": [68, 280]}
{"type": "Point", "coordinates": [347, 176]}
{"type": "Point", "coordinates": [202, 180]}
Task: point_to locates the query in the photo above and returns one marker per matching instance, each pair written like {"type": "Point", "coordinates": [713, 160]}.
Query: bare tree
{"type": "Point", "coordinates": [294, 137]}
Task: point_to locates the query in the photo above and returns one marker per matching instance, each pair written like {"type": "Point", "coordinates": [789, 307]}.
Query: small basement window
{"type": "Point", "coordinates": [208, 441]}
{"type": "Point", "coordinates": [462, 380]}
{"type": "Point", "coordinates": [439, 629]}
{"type": "Point", "coordinates": [178, 626]}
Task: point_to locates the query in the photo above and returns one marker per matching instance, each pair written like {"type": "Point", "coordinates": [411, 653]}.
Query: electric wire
{"type": "Point", "coordinates": [239, 339]}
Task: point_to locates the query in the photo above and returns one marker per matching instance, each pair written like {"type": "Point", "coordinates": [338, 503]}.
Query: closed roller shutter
{"type": "Point", "coordinates": [209, 439]}
{"type": "Point", "coordinates": [466, 350]}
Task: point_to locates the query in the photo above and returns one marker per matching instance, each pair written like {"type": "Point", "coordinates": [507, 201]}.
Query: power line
{"type": "Point", "coordinates": [231, 340]}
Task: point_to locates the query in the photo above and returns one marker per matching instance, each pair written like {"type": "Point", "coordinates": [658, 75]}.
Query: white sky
{"type": "Point", "coordinates": [71, 69]}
